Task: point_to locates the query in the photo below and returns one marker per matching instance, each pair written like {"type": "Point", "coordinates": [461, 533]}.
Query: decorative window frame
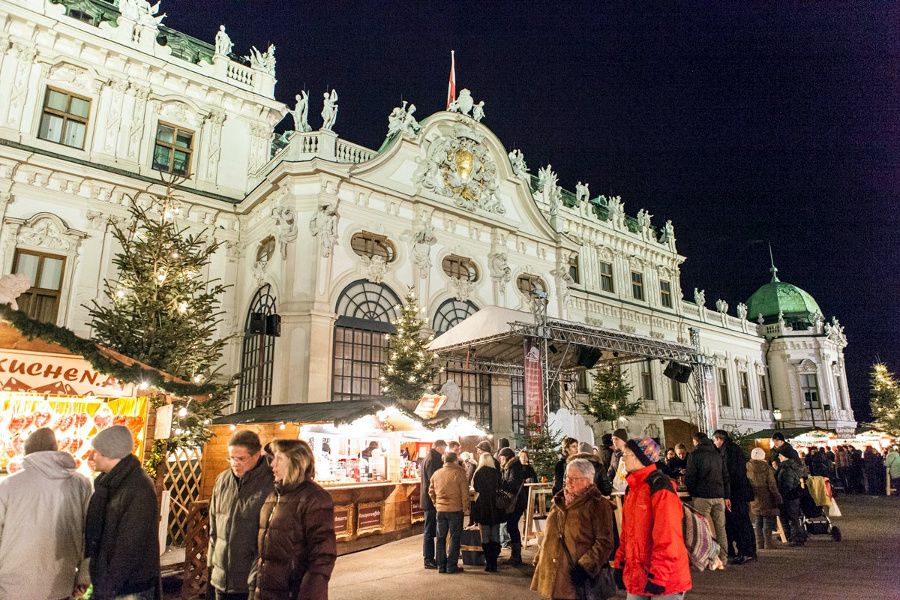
{"type": "Point", "coordinates": [45, 233]}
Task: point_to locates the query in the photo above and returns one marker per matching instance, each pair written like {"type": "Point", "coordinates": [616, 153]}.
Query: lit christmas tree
{"type": "Point", "coordinates": [162, 311]}
{"type": "Point", "coordinates": [884, 399]}
{"type": "Point", "coordinates": [608, 400]}
{"type": "Point", "coordinates": [409, 370]}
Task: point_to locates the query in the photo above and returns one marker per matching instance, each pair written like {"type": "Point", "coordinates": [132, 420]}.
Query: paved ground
{"type": "Point", "coordinates": [862, 566]}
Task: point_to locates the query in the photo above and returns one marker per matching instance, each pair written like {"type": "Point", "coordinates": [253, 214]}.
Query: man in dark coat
{"type": "Point", "coordinates": [122, 524]}
{"type": "Point", "coordinates": [433, 462]}
{"type": "Point", "coordinates": [569, 448]}
{"type": "Point", "coordinates": [237, 498]}
{"type": "Point", "coordinates": [707, 482]}
{"type": "Point", "coordinates": [512, 480]}
{"type": "Point", "coordinates": [742, 541]}
{"type": "Point", "coordinates": [788, 477]}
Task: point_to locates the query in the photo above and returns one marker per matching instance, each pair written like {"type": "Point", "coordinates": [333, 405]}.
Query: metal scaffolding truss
{"type": "Point", "coordinates": [485, 367]}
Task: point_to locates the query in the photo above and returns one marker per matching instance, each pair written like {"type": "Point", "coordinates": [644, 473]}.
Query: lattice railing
{"type": "Point", "coordinates": [183, 483]}
{"type": "Point", "coordinates": [195, 549]}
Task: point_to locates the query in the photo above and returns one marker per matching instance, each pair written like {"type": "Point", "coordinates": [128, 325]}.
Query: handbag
{"type": "Point", "coordinates": [506, 501]}
{"type": "Point", "coordinates": [601, 587]}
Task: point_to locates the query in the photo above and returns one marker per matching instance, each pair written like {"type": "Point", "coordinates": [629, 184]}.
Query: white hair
{"type": "Point", "coordinates": [583, 466]}
{"type": "Point", "coordinates": [486, 460]}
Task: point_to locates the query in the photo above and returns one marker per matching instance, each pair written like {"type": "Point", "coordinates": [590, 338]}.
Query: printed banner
{"type": "Point", "coordinates": [534, 384]}
{"type": "Point", "coordinates": [56, 375]}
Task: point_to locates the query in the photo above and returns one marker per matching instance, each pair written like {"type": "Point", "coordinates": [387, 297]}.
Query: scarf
{"type": "Point", "coordinates": [105, 486]}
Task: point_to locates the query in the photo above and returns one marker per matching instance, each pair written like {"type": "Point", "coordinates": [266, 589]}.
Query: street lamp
{"type": "Point", "coordinates": [776, 414]}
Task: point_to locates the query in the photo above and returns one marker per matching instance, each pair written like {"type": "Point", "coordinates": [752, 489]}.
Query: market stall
{"type": "Point", "coordinates": [368, 456]}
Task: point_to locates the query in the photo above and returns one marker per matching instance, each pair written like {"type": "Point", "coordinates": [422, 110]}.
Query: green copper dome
{"type": "Point", "coordinates": [778, 297]}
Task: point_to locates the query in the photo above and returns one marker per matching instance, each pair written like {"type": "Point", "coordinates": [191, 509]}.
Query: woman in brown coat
{"type": "Point", "coordinates": [296, 533]}
{"type": "Point", "coordinates": [766, 498]}
{"type": "Point", "coordinates": [584, 518]}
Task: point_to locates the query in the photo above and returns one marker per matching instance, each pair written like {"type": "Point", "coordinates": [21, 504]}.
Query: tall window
{"type": "Point", "coordinates": [809, 387]}
{"type": "Point", "coordinates": [370, 244]}
{"type": "Point", "coordinates": [637, 285]}
{"type": "Point", "coordinates": [45, 272]}
{"type": "Point", "coordinates": [518, 404]}
{"type": "Point", "coordinates": [745, 390]}
{"type": "Point", "coordinates": [606, 277]}
{"type": "Point", "coordinates": [573, 269]}
{"type": "Point", "coordinates": [460, 267]}
{"type": "Point", "coordinates": [723, 387]}
{"type": "Point", "coordinates": [365, 313]}
{"type": "Point", "coordinates": [646, 382]}
{"type": "Point", "coordinates": [665, 293]}
{"type": "Point", "coordinates": [258, 351]}
{"type": "Point", "coordinates": [64, 118]}
{"type": "Point", "coordinates": [475, 391]}
{"type": "Point", "coordinates": [675, 388]}
{"type": "Point", "coordinates": [450, 313]}
{"type": "Point", "coordinates": [173, 149]}
{"type": "Point", "coordinates": [764, 392]}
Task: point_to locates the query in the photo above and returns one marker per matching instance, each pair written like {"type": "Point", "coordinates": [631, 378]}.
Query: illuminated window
{"type": "Point", "coordinates": [723, 387]}
{"type": "Point", "coordinates": [764, 393]}
{"type": "Point", "coordinates": [518, 405]}
{"type": "Point", "coordinates": [173, 149]}
{"type": "Point", "coordinates": [809, 387]}
{"type": "Point", "coordinates": [45, 272]}
{"type": "Point", "coordinates": [64, 118]}
{"type": "Point", "coordinates": [475, 391]}
{"type": "Point", "coordinates": [745, 390]}
{"type": "Point", "coordinates": [257, 352]}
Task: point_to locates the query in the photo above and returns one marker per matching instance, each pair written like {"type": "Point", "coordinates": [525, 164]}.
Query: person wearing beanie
{"type": "Point", "coordinates": [121, 527]}
{"type": "Point", "coordinates": [617, 473]}
{"type": "Point", "coordinates": [764, 507]}
{"type": "Point", "coordinates": [651, 560]}
{"type": "Point", "coordinates": [605, 452]}
{"type": "Point", "coordinates": [42, 524]}
{"type": "Point", "coordinates": [569, 448]}
{"type": "Point", "coordinates": [512, 481]}
{"type": "Point", "coordinates": [707, 481]}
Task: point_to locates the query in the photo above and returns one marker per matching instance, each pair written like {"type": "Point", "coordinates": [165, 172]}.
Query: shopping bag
{"type": "Point", "coordinates": [833, 510]}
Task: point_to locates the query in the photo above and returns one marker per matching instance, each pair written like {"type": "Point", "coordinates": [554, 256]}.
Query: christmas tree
{"type": "Point", "coordinates": [608, 400]}
{"type": "Point", "coordinates": [409, 370]}
{"type": "Point", "coordinates": [162, 311]}
{"type": "Point", "coordinates": [542, 444]}
{"type": "Point", "coordinates": [884, 399]}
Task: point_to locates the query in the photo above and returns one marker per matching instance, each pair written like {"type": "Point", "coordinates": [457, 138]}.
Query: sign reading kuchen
{"type": "Point", "coordinates": [369, 517]}
{"type": "Point", "coordinates": [56, 374]}
{"type": "Point", "coordinates": [343, 521]}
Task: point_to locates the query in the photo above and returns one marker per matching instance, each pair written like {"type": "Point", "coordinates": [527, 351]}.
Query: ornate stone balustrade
{"type": "Point", "coordinates": [239, 73]}
{"type": "Point", "coordinates": [348, 152]}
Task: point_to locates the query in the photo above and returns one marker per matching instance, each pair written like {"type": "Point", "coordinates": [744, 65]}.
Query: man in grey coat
{"type": "Point", "coordinates": [237, 498]}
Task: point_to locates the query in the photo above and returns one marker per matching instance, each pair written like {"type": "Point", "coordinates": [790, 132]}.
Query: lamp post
{"type": "Point", "coordinates": [776, 414]}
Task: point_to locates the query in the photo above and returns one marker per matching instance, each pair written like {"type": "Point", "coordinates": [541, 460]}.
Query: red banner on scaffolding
{"type": "Point", "coordinates": [534, 384]}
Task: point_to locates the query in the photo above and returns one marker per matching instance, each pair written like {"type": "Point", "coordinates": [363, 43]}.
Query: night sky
{"type": "Point", "coordinates": [744, 125]}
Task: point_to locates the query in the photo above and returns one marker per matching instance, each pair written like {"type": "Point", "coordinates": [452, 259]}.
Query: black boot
{"type": "Point", "coordinates": [495, 554]}
{"type": "Point", "coordinates": [486, 552]}
{"type": "Point", "coordinates": [515, 558]}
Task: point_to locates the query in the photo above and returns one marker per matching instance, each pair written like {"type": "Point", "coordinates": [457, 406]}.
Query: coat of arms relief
{"type": "Point", "coordinates": [457, 165]}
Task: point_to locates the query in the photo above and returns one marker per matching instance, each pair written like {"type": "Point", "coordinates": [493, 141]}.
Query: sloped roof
{"type": "Point", "coordinates": [314, 412]}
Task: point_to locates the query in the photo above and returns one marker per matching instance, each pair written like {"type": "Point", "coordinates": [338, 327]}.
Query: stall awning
{"type": "Point", "coordinates": [496, 335]}
{"type": "Point", "coordinates": [316, 412]}
{"type": "Point", "coordinates": [787, 432]}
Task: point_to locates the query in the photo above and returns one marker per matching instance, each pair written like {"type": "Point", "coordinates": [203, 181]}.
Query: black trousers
{"type": "Point", "coordinates": [740, 530]}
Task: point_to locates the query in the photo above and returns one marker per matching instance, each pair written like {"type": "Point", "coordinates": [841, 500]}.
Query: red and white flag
{"type": "Point", "coordinates": [451, 85]}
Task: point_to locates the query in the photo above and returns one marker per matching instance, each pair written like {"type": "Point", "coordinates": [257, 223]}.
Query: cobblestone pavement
{"type": "Point", "coordinates": [862, 566]}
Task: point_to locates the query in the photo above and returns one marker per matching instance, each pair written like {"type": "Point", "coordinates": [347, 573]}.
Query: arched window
{"type": "Point", "coordinates": [366, 312]}
{"type": "Point", "coordinates": [451, 313]}
{"type": "Point", "coordinates": [370, 244]}
{"type": "Point", "coordinates": [528, 283]}
{"type": "Point", "coordinates": [460, 267]}
{"type": "Point", "coordinates": [258, 352]}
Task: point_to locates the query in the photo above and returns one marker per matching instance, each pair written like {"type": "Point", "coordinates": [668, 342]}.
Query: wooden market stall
{"type": "Point", "coordinates": [368, 455]}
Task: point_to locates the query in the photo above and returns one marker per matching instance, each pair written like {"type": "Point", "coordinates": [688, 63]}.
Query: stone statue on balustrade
{"type": "Point", "coordinates": [582, 192]}
{"type": "Point", "coordinates": [700, 297]}
{"type": "Point", "coordinates": [300, 113]}
{"type": "Point", "coordinates": [616, 210]}
{"type": "Point", "coordinates": [141, 12]}
{"type": "Point", "coordinates": [223, 42]}
{"type": "Point", "coordinates": [478, 112]}
{"type": "Point", "coordinates": [402, 121]}
{"type": "Point", "coordinates": [329, 110]}
{"type": "Point", "coordinates": [721, 306]}
{"type": "Point", "coordinates": [517, 161]}
{"type": "Point", "coordinates": [644, 219]}
{"type": "Point", "coordinates": [742, 311]}
{"type": "Point", "coordinates": [263, 61]}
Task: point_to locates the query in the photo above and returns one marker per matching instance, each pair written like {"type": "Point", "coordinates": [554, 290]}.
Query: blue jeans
{"type": "Point", "coordinates": [490, 533]}
{"type": "Point", "coordinates": [448, 522]}
{"type": "Point", "coordinates": [429, 534]}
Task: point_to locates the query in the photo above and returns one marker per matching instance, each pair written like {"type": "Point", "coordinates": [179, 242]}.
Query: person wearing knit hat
{"type": "Point", "coordinates": [617, 473]}
{"type": "Point", "coordinates": [121, 527]}
{"type": "Point", "coordinates": [42, 524]}
{"type": "Point", "coordinates": [651, 560]}
{"type": "Point", "coordinates": [41, 440]}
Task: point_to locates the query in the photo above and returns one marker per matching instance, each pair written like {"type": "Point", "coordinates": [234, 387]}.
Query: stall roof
{"type": "Point", "coordinates": [497, 335]}
{"type": "Point", "coordinates": [315, 412]}
{"type": "Point", "coordinates": [788, 432]}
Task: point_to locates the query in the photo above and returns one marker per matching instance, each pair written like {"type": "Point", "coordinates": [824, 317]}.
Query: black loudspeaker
{"type": "Point", "coordinates": [273, 325]}
{"type": "Point", "coordinates": [257, 323]}
{"type": "Point", "coordinates": [588, 357]}
{"type": "Point", "coordinates": [678, 372]}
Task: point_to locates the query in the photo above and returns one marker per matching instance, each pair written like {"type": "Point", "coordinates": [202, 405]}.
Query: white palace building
{"type": "Point", "coordinates": [98, 98]}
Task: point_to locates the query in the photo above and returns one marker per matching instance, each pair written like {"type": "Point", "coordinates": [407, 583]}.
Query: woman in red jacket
{"type": "Point", "coordinates": [652, 561]}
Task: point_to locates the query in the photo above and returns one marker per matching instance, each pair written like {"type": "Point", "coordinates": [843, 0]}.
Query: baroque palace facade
{"type": "Point", "coordinates": [322, 237]}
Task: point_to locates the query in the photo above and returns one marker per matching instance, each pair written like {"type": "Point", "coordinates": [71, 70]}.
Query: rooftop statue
{"type": "Point", "coordinates": [223, 42]}
{"type": "Point", "coordinates": [742, 311]}
{"type": "Point", "coordinates": [301, 112]}
{"type": "Point", "coordinates": [329, 110]}
{"type": "Point", "coordinates": [141, 12]}
{"type": "Point", "coordinates": [699, 297]}
{"type": "Point", "coordinates": [478, 112]}
{"type": "Point", "coordinates": [721, 306]}
{"type": "Point", "coordinates": [463, 103]}
{"type": "Point", "coordinates": [546, 178]}
{"type": "Point", "coordinates": [264, 61]}
{"type": "Point", "coordinates": [644, 219]}
{"type": "Point", "coordinates": [616, 211]}
{"type": "Point", "coordinates": [401, 120]}
{"type": "Point", "coordinates": [517, 161]}
{"type": "Point", "coordinates": [582, 193]}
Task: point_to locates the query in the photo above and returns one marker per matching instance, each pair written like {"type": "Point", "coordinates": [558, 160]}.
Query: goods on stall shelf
{"type": "Point", "coordinates": [74, 420]}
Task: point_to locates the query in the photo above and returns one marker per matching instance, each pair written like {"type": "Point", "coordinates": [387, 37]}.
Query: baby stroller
{"type": "Point", "coordinates": [815, 498]}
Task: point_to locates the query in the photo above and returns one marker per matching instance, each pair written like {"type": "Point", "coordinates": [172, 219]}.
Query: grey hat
{"type": "Point", "coordinates": [114, 442]}
{"type": "Point", "coordinates": [41, 440]}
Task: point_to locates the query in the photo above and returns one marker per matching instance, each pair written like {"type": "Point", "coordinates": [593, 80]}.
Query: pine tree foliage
{"type": "Point", "coordinates": [543, 448]}
{"type": "Point", "coordinates": [884, 399]}
{"type": "Point", "coordinates": [409, 370]}
{"type": "Point", "coordinates": [609, 397]}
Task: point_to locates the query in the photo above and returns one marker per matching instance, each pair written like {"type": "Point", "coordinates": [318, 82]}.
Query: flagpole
{"type": "Point", "coordinates": [451, 84]}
